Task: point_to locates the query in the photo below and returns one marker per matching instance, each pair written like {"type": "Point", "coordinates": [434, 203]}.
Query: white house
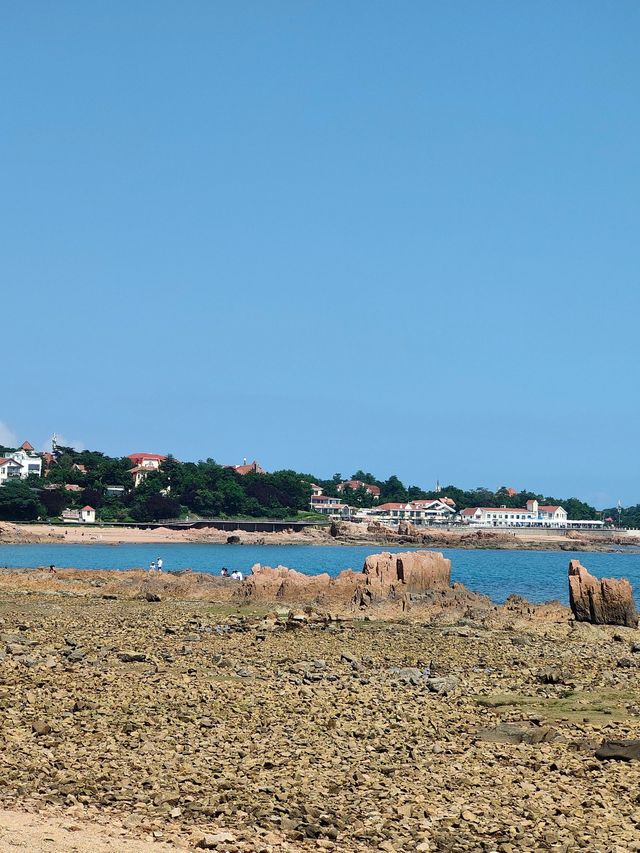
{"type": "Point", "coordinates": [10, 469]}
{"type": "Point", "coordinates": [316, 490]}
{"type": "Point", "coordinates": [533, 515]}
{"type": "Point", "coordinates": [143, 464]}
{"type": "Point", "coordinates": [328, 505]}
{"type": "Point", "coordinates": [114, 491]}
{"type": "Point", "coordinates": [86, 515]}
{"type": "Point", "coordinates": [419, 512]}
{"type": "Point", "coordinates": [27, 459]}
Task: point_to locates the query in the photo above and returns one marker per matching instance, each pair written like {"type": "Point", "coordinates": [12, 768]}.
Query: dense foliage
{"type": "Point", "coordinates": [206, 489]}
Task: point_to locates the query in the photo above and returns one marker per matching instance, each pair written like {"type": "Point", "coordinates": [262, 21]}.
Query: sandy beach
{"type": "Point", "coordinates": [344, 533]}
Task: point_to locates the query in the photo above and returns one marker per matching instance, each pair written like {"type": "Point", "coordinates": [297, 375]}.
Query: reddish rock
{"type": "Point", "coordinates": [396, 575]}
{"type": "Point", "coordinates": [601, 602]}
{"type": "Point", "coordinates": [287, 585]}
{"type": "Point", "coordinates": [384, 577]}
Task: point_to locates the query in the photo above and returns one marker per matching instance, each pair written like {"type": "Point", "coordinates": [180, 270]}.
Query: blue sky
{"type": "Point", "coordinates": [327, 235]}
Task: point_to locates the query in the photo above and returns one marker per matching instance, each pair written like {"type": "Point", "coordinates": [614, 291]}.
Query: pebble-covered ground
{"type": "Point", "coordinates": [182, 722]}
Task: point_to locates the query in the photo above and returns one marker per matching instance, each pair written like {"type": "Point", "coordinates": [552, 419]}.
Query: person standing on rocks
{"type": "Point", "coordinates": [152, 567]}
{"type": "Point", "coordinates": [159, 564]}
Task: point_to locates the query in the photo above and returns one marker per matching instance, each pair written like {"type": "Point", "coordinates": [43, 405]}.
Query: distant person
{"type": "Point", "coordinates": [224, 573]}
{"type": "Point", "coordinates": [52, 570]}
{"type": "Point", "coordinates": [159, 564]}
{"type": "Point", "coordinates": [152, 567]}
{"type": "Point", "coordinates": [236, 575]}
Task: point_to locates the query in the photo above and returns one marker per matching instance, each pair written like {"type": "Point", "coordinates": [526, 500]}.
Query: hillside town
{"type": "Point", "coordinates": [99, 489]}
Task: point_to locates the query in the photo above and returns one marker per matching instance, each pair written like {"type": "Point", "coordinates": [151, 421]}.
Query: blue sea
{"type": "Point", "coordinates": [537, 575]}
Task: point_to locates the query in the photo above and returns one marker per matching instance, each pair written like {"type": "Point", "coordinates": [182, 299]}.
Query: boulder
{"type": "Point", "coordinates": [518, 733]}
{"type": "Point", "coordinates": [283, 584]}
{"type": "Point", "coordinates": [394, 575]}
{"type": "Point", "coordinates": [619, 750]}
{"type": "Point", "coordinates": [601, 602]}
{"type": "Point", "coordinates": [384, 577]}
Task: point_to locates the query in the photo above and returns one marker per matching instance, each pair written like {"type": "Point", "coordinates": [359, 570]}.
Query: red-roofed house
{"type": "Point", "coordinates": [143, 464]}
{"type": "Point", "coordinates": [374, 491]}
{"type": "Point", "coordinates": [420, 512]}
{"type": "Point", "coordinates": [10, 469]}
{"type": "Point", "coordinates": [86, 515]}
{"type": "Point", "coordinates": [251, 468]}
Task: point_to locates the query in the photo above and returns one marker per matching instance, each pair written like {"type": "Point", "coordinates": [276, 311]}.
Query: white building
{"type": "Point", "coordinates": [328, 505]}
{"type": "Point", "coordinates": [114, 491]}
{"type": "Point", "coordinates": [9, 470]}
{"type": "Point", "coordinates": [419, 512]}
{"type": "Point", "coordinates": [316, 490]}
{"type": "Point", "coordinates": [533, 515]}
{"type": "Point", "coordinates": [143, 464]}
{"type": "Point", "coordinates": [29, 461]}
{"type": "Point", "coordinates": [86, 515]}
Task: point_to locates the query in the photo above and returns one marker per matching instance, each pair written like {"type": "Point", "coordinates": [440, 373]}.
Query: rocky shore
{"type": "Point", "coordinates": [341, 533]}
{"type": "Point", "coordinates": [192, 713]}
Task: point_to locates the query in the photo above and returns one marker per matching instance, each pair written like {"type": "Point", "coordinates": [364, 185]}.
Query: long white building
{"type": "Point", "coordinates": [533, 515]}
{"type": "Point", "coordinates": [419, 512]}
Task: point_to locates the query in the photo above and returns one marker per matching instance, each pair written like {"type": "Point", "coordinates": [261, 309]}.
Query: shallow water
{"type": "Point", "coordinates": [537, 575]}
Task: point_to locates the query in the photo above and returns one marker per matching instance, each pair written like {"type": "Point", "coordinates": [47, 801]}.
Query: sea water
{"type": "Point", "coordinates": [537, 575]}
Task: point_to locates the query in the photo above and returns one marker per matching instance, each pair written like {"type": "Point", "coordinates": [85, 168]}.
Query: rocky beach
{"type": "Point", "coordinates": [342, 533]}
{"type": "Point", "coordinates": [382, 710]}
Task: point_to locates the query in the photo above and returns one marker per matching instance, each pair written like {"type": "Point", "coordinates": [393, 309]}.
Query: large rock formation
{"type": "Point", "coordinates": [396, 575]}
{"type": "Point", "coordinates": [601, 602]}
{"type": "Point", "coordinates": [384, 577]}
{"type": "Point", "coordinates": [289, 586]}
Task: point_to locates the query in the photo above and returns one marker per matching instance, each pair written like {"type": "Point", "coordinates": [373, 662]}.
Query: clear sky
{"type": "Point", "coordinates": [327, 235]}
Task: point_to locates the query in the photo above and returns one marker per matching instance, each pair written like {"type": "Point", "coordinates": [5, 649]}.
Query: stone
{"type": "Point", "coordinates": [408, 674]}
{"type": "Point", "coordinates": [517, 733]}
{"type": "Point", "coordinates": [40, 727]}
{"type": "Point", "coordinates": [76, 655]}
{"type": "Point", "coordinates": [442, 685]}
{"type": "Point", "coordinates": [600, 602]}
{"type": "Point", "coordinates": [391, 575]}
{"type": "Point", "coordinates": [152, 596]}
{"type": "Point", "coordinates": [619, 750]}
{"type": "Point", "coordinates": [132, 657]}
{"type": "Point", "coordinates": [551, 675]}
{"type": "Point", "coordinates": [212, 840]}
{"type": "Point", "coordinates": [384, 577]}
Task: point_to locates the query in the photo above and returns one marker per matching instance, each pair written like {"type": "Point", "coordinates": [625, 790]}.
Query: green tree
{"type": "Point", "coordinates": [53, 501]}
{"type": "Point", "coordinates": [19, 502]}
{"type": "Point", "coordinates": [393, 491]}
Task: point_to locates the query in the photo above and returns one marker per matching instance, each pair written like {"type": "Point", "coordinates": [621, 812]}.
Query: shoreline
{"type": "Point", "coordinates": [345, 533]}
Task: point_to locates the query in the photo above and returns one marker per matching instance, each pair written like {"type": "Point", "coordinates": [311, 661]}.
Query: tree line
{"type": "Point", "coordinates": [208, 489]}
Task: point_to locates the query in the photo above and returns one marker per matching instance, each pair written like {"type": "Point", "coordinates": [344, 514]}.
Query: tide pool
{"type": "Point", "coordinates": [537, 575]}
